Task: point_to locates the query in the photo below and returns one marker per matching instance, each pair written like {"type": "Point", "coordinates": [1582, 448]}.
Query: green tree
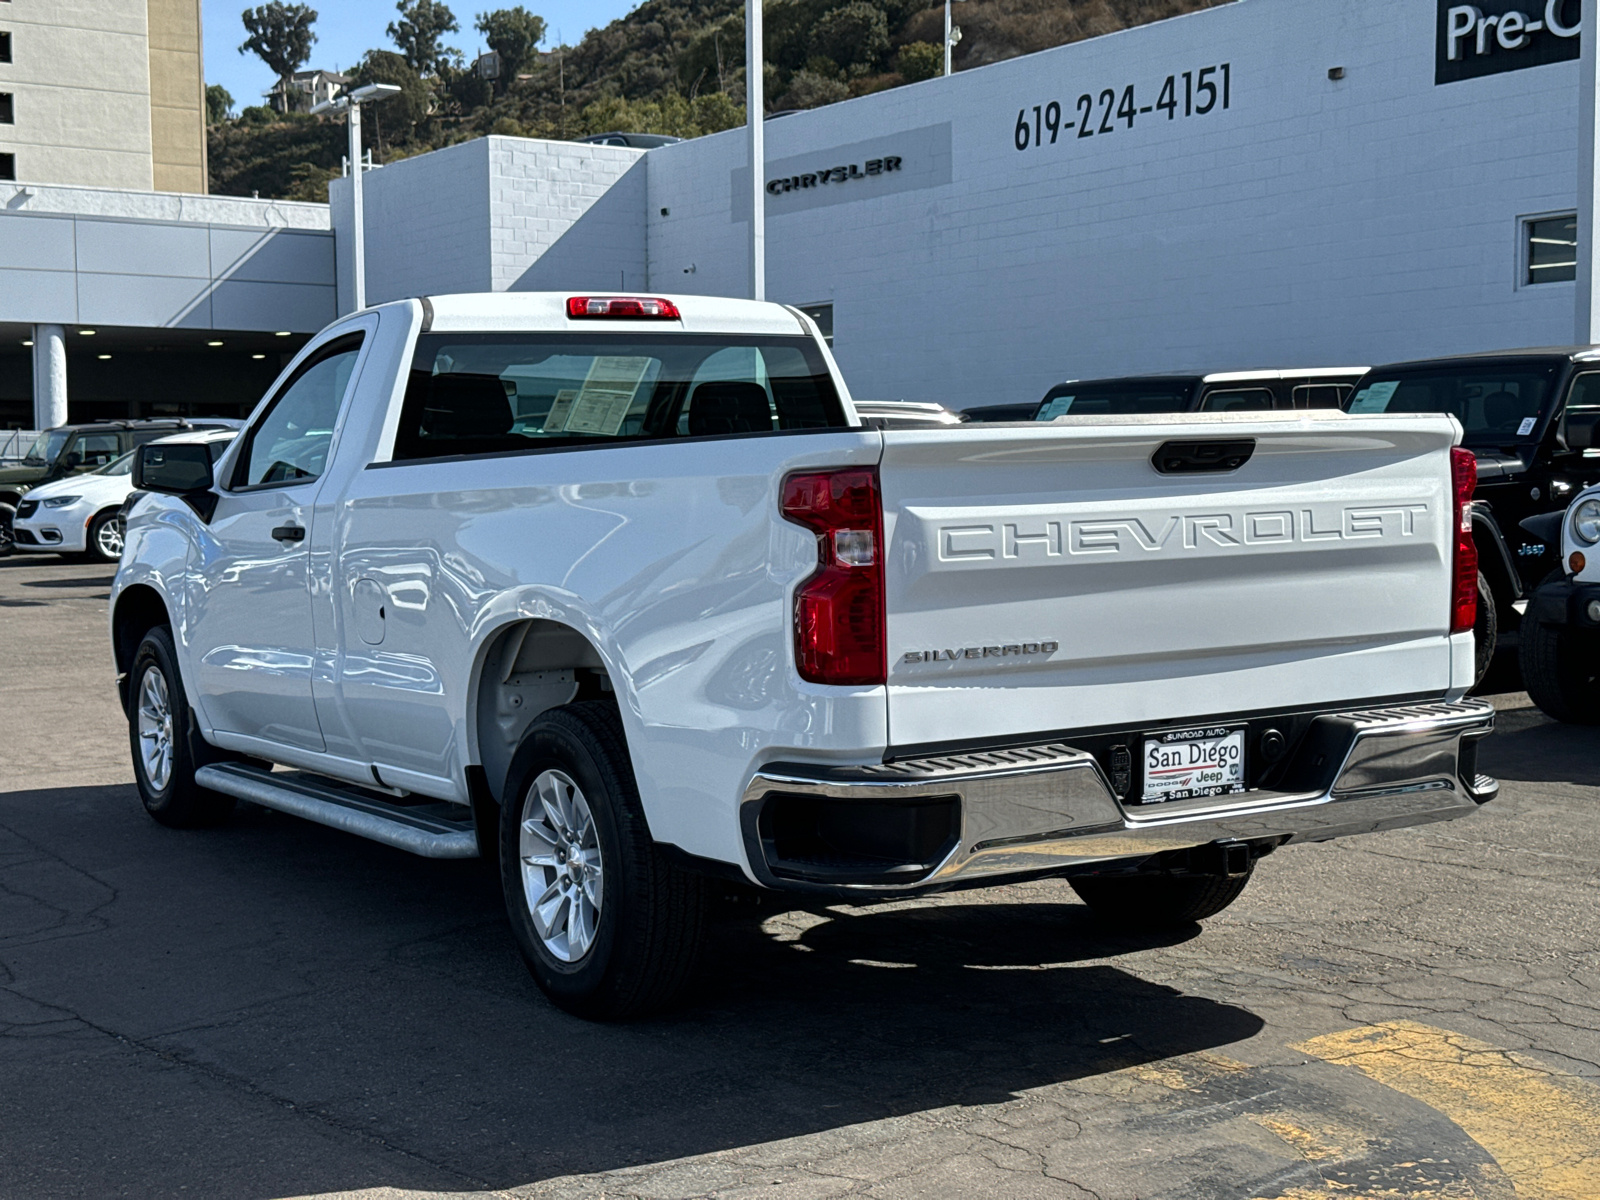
{"type": "Point", "coordinates": [514, 34]}
{"type": "Point", "coordinates": [852, 34]}
{"type": "Point", "coordinates": [399, 119]}
{"type": "Point", "coordinates": [281, 37]}
{"type": "Point", "coordinates": [218, 104]}
{"type": "Point", "coordinates": [422, 24]}
{"type": "Point", "coordinates": [920, 60]}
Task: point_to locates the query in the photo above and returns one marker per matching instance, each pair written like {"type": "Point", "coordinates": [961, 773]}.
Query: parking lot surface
{"type": "Point", "coordinates": [275, 1009]}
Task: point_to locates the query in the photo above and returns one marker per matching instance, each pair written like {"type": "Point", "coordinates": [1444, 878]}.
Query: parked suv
{"type": "Point", "coordinates": [75, 449]}
{"type": "Point", "coordinates": [1223, 391]}
{"type": "Point", "coordinates": [1513, 406]}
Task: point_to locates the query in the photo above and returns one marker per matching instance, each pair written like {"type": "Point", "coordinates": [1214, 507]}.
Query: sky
{"type": "Point", "coordinates": [346, 29]}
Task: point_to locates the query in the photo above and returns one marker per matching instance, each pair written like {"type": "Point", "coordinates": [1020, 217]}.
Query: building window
{"type": "Point", "coordinates": [1551, 249]}
{"type": "Point", "coordinates": [8, 113]}
{"type": "Point", "coordinates": [5, 47]}
{"type": "Point", "coordinates": [822, 314]}
{"type": "Point", "coordinates": [8, 168]}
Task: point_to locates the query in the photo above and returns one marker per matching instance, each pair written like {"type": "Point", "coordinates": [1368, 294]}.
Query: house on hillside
{"type": "Point", "coordinates": [305, 89]}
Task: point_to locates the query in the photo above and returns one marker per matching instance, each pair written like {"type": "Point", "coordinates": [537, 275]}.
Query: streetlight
{"type": "Point", "coordinates": [351, 103]}
{"type": "Point", "coordinates": [755, 115]}
{"type": "Point", "coordinates": [952, 35]}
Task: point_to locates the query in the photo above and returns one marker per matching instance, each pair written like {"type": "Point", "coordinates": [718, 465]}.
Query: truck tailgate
{"type": "Point", "coordinates": [1051, 579]}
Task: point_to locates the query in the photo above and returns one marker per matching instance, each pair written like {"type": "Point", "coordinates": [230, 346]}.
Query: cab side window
{"type": "Point", "coordinates": [290, 443]}
{"type": "Point", "coordinates": [1585, 393]}
{"type": "Point", "coordinates": [1321, 395]}
{"type": "Point", "coordinates": [92, 450]}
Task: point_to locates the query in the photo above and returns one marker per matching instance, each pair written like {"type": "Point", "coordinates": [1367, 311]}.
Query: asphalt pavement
{"type": "Point", "coordinates": [275, 1009]}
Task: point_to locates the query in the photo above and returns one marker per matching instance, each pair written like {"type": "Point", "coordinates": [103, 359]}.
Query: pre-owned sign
{"type": "Point", "coordinates": [1485, 39]}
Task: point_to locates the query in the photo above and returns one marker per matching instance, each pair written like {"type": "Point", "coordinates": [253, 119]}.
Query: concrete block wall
{"type": "Point", "coordinates": [427, 225]}
{"type": "Point", "coordinates": [566, 215]}
{"type": "Point", "coordinates": [499, 214]}
{"type": "Point", "coordinates": [1314, 222]}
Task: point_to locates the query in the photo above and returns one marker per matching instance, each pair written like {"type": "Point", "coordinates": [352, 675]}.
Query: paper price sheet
{"type": "Point", "coordinates": [601, 405]}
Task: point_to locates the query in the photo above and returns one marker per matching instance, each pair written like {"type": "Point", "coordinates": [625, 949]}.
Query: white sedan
{"type": "Point", "coordinates": [82, 514]}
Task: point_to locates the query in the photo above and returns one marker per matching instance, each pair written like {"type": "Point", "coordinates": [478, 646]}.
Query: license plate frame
{"type": "Point", "coordinates": [1192, 763]}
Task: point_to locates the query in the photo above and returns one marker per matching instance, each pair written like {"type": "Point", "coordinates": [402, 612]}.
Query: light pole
{"type": "Point", "coordinates": [755, 108]}
{"type": "Point", "coordinates": [351, 103]}
{"type": "Point", "coordinates": [952, 35]}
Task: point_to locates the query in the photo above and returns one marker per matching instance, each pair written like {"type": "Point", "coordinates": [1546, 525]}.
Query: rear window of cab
{"type": "Point", "coordinates": [499, 393]}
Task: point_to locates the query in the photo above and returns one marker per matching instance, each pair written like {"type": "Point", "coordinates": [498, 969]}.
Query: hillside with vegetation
{"type": "Point", "coordinates": [669, 66]}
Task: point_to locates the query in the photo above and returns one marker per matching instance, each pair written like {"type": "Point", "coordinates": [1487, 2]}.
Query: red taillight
{"type": "Point", "coordinates": [838, 611]}
{"type": "Point", "coordinates": [632, 308]}
{"type": "Point", "coordinates": [1464, 589]}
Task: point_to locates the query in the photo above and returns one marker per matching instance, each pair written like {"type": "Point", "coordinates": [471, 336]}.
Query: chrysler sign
{"type": "Point", "coordinates": [1487, 38]}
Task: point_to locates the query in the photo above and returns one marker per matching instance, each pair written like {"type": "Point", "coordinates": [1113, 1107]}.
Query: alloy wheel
{"type": "Point", "coordinates": [562, 872]}
{"type": "Point", "coordinates": [109, 538]}
{"type": "Point", "coordinates": [155, 728]}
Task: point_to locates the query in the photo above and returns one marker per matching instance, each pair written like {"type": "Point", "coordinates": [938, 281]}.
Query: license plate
{"type": "Point", "coordinates": [1186, 763]}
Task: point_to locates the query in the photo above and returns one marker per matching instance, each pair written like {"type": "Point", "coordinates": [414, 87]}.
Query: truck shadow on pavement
{"type": "Point", "coordinates": [1529, 747]}
{"type": "Point", "coordinates": [275, 1008]}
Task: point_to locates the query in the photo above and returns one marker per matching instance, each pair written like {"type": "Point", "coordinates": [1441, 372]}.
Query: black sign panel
{"type": "Point", "coordinates": [1494, 36]}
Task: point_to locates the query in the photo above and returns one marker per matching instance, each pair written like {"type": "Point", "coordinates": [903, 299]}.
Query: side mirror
{"type": "Point", "coordinates": [1580, 426]}
{"type": "Point", "coordinates": [179, 469]}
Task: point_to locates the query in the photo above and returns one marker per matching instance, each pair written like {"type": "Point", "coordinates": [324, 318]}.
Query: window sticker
{"type": "Point", "coordinates": [1527, 425]}
{"type": "Point", "coordinates": [1059, 407]}
{"type": "Point", "coordinates": [556, 421]}
{"type": "Point", "coordinates": [1374, 398]}
{"type": "Point", "coordinates": [603, 402]}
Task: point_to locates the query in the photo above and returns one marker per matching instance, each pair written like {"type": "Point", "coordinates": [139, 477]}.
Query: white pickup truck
{"type": "Point", "coordinates": [621, 591]}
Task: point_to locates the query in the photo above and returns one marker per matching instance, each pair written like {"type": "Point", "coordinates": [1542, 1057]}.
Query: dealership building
{"type": "Point", "coordinates": [1268, 183]}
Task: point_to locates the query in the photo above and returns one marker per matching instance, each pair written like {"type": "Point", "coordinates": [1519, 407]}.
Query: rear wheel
{"type": "Point", "coordinates": [7, 515]}
{"type": "Point", "coordinates": [105, 537]}
{"type": "Point", "coordinates": [608, 925]}
{"type": "Point", "coordinates": [167, 746]}
{"type": "Point", "coordinates": [1158, 901]}
{"type": "Point", "coordinates": [1561, 670]}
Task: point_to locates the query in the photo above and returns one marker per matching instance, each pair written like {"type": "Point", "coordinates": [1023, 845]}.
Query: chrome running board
{"type": "Point", "coordinates": [428, 828]}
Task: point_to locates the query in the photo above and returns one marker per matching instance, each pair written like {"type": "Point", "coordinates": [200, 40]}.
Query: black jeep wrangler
{"type": "Point", "coordinates": [1513, 407]}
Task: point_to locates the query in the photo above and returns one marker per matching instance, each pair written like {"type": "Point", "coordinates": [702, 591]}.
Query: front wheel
{"type": "Point", "coordinates": [608, 925]}
{"type": "Point", "coordinates": [7, 515]}
{"type": "Point", "coordinates": [1561, 670]}
{"type": "Point", "coordinates": [167, 746]}
{"type": "Point", "coordinates": [105, 537]}
{"type": "Point", "coordinates": [1148, 902]}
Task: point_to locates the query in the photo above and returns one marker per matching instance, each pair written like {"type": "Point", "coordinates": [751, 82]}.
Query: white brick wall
{"type": "Point", "coordinates": [500, 214]}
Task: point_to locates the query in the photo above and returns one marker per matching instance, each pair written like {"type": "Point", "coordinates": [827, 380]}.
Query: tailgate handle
{"type": "Point", "coordinates": [1191, 458]}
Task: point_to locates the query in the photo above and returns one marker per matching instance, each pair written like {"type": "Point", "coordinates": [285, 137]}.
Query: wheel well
{"type": "Point", "coordinates": [527, 669]}
{"type": "Point", "coordinates": [11, 498]}
{"type": "Point", "coordinates": [1493, 564]}
{"type": "Point", "coordinates": [139, 610]}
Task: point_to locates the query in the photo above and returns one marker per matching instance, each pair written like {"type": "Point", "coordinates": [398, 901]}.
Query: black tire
{"type": "Point", "coordinates": [179, 801]}
{"type": "Point", "coordinates": [647, 931]}
{"type": "Point", "coordinates": [1147, 902]}
{"type": "Point", "coordinates": [99, 540]}
{"type": "Point", "coordinates": [7, 515]}
{"type": "Point", "coordinates": [1485, 630]}
{"type": "Point", "coordinates": [1561, 670]}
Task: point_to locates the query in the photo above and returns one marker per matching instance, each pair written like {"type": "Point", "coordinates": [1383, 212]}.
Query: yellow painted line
{"type": "Point", "coordinates": [1540, 1124]}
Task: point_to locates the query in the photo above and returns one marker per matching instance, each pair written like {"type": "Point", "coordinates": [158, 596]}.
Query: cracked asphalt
{"type": "Point", "coordinates": [274, 1009]}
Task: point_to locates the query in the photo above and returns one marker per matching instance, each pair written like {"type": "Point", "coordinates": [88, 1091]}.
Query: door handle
{"type": "Point", "coordinates": [289, 533]}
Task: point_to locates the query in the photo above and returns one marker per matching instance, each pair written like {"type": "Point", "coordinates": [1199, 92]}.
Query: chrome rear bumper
{"type": "Point", "coordinates": [1051, 807]}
